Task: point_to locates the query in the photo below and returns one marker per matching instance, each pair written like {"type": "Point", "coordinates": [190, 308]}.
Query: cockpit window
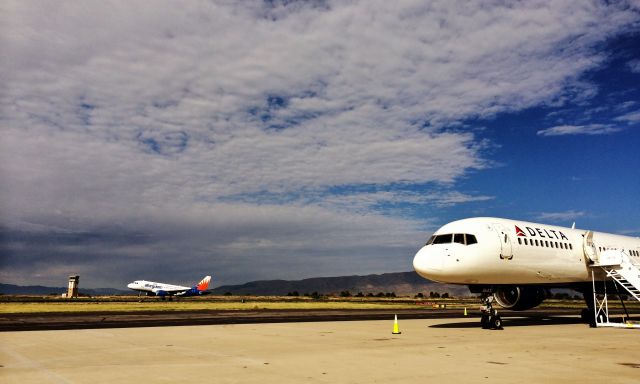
{"type": "Point", "coordinates": [443, 239]}
{"type": "Point", "coordinates": [471, 239]}
{"type": "Point", "coordinates": [460, 238]}
{"type": "Point", "coordinates": [431, 239]}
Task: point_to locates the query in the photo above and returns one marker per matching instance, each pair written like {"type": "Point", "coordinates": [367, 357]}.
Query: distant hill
{"type": "Point", "coordinates": [402, 283]}
{"type": "Point", "coordinates": [10, 289]}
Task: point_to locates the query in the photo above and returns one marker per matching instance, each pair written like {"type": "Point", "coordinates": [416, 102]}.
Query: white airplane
{"type": "Point", "coordinates": [517, 261]}
{"type": "Point", "coordinates": [152, 288]}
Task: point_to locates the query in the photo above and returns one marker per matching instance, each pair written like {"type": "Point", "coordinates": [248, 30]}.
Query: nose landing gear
{"type": "Point", "coordinates": [489, 318]}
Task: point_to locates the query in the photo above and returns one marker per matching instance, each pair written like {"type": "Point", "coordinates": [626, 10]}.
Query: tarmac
{"type": "Point", "coordinates": [92, 320]}
{"type": "Point", "coordinates": [541, 350]}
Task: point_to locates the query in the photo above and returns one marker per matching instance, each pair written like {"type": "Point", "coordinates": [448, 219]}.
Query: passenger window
{"type": "Point", "coordinates": [570, 246]}
{"type": "Point", "coordinates": [471, 239]}
{"type": "Point", "coordinates": [536, 242]}
{"type": "Point", "coordinates": [443, 239]}
{"type": "Point", "coordinates": [525, 242]}
{"type": "Point", "coordinates": [458, 238]}
{"type": "Point", "coordinates": [519, 241]}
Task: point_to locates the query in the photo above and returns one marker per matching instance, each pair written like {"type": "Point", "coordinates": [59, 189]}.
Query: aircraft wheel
{"type": "Point", "coordinates": [496, 322]}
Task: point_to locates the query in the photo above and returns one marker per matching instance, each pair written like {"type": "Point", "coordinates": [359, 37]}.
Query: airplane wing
{"type": "Point", "coordinates": [170, 290]}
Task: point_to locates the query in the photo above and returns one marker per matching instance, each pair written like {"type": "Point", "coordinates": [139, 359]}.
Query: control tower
{"type": "Point", "coordinates": [73, 286]}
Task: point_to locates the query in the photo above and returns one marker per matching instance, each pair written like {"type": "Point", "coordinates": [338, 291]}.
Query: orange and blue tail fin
{"type": "Point", "coordinates": [203, 285]}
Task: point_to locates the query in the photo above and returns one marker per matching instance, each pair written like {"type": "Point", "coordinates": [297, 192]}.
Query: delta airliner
{"type": "Point", "coordinates": [518, 261]}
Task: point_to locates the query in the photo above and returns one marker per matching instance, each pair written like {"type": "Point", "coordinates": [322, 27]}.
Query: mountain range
{"type": "Point", "coordinates": [400, 283]}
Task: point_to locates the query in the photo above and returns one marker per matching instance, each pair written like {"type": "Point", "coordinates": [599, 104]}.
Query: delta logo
{"type": "Point", "coordinates": [541, 232]}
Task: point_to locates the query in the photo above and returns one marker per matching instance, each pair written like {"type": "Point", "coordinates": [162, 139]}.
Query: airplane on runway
{"type": "Point", "coordinates": [162, 290]}
{"type": "Point", "coordinates": [517, 261]}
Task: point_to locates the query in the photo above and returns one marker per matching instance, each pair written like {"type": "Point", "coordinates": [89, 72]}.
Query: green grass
{"type": "Point", "coordinates": [32, 305]}
{"type": "Point", "coordinates": [192, 305]}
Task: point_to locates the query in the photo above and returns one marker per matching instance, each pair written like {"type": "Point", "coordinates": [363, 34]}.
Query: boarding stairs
{"type": "Point", "coordinates": [621, 268]}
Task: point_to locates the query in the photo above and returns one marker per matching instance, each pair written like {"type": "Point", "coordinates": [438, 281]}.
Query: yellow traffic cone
{"type": "Point", "coordinates": [465, 311]}
{"type": "Point", "coordinates": [396, 329]}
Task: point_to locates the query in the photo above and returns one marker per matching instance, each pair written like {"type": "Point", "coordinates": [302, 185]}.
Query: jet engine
{"type": "Point", "coordinates": [520, 298]}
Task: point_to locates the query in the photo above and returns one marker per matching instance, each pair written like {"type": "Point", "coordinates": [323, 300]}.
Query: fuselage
{"type": "Point", "coordinates": [496, 251]}
{"type": "Point", "coordinates": [152, 286]}
{"type": "Point", "coordinates": [162, 289]}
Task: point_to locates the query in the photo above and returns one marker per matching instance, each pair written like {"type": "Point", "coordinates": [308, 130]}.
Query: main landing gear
{"type": "Point", "coordinates": [490, 318]}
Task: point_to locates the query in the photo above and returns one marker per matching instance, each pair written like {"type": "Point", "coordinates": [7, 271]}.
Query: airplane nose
{"type": "Point", "coordinates": [130, 285]}
{"type": "Point", "coordinates": [427, 264]}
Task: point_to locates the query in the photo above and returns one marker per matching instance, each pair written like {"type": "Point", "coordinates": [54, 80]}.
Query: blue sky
{"type": "Point", "coordinates": [590, 177]}
{"type": "Point", "coordinates": [295, 139]}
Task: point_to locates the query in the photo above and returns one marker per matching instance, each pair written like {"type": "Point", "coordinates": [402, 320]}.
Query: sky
{"type": "Point", "coordinates": [293, 139]}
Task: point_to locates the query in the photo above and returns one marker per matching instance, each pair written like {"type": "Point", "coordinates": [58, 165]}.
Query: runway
{"type": "Point", "coordinates": [558, 350]}
{"type": "Point", "coordinates": [91, 320]}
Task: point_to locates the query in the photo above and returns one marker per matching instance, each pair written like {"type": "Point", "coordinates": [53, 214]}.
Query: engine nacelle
{"type": "Point", "coordinates": [520, 298]}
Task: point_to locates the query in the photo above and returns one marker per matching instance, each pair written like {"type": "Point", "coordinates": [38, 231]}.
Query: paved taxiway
{"type": "Point", "coordinates": [433, 350]}
{"type": "Point", "coordinates": [86, 320]}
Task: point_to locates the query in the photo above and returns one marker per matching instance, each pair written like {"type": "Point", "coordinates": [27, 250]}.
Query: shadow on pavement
{"type": "Point", "coordinates": [517, 322]}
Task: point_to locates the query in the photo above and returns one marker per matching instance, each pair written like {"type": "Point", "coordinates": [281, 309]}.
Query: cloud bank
{"type": "Point", "coordinates": [590, 129]}
{"type": "Point", "coordinates": [276, 139]}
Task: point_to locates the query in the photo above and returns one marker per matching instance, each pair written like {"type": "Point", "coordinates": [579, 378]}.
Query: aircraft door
{"type": "Point", "coordinates": [506, 248]}
{"type": "Point", "coordinates": [589, 247]}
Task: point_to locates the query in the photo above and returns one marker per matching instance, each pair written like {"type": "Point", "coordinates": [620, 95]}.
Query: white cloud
{"type": "Point", "coordinates": [565, 216]}
{"type": "Point", "coordinates": [634, 65]}
{"type": "Point", "coordinates": [630, 117]}
{"type": "Point", "coordinates": [590, 129]}
{"type": "Point", "coordinates": [129, 118]}
{"type": "Point", "coordinates": [630, 232]}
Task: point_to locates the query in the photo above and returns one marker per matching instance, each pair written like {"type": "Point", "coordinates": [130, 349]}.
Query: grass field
{"type": "Point", "coordinates": [133, 304]}
{"type": "Point", "coordinates": [17, 304]}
